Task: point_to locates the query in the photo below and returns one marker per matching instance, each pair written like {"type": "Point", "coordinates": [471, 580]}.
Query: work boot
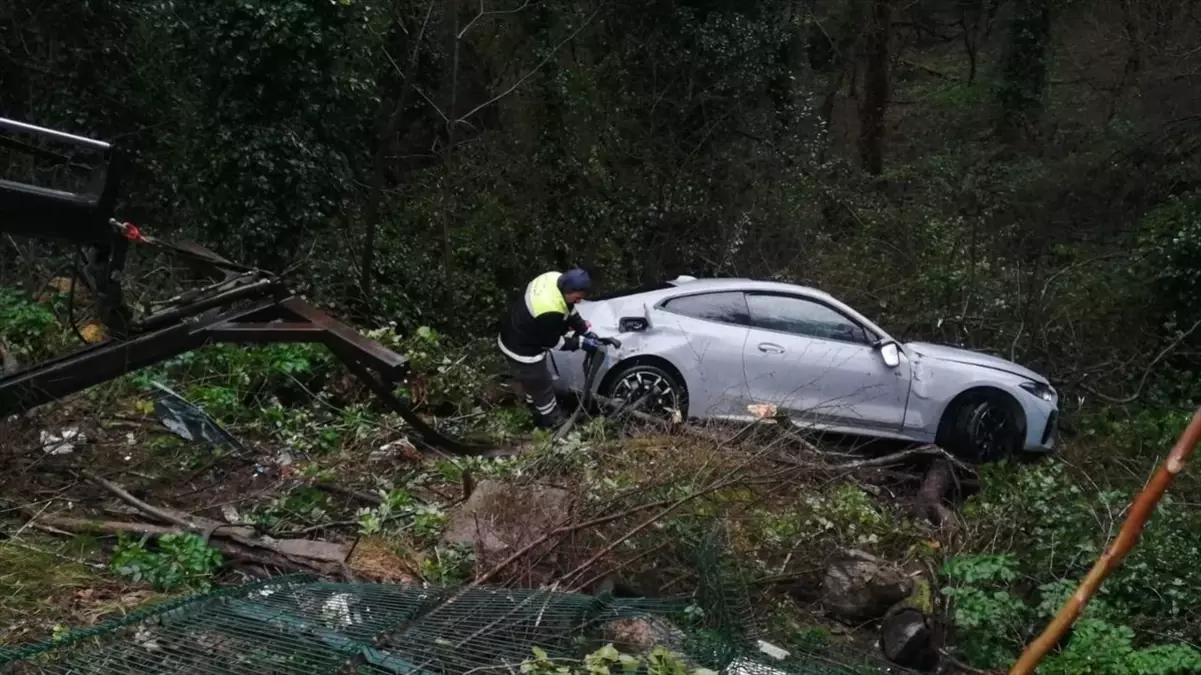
{"type": "Point", "coordinates": [552, 420]}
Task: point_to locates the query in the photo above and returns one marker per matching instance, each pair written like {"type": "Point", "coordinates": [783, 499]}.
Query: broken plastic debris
{"type": "Point", "coordinates": [190, 422]}
{"type": "Point", "coordinates": [772, 650]}
{"type": "Point", "coordinates": [230, 514]}
{"type": "Point", "coordinates": [392, 449]}
{"type": "Point", "coordinates": [62, 443]}
{"type": "Point", "coordinates": [762, 410]}
{"type": "Point", "coordinates": [745, 666]}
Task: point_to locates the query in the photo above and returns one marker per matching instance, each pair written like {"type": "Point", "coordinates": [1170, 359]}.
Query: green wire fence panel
{"type": "Point", "coordinates": [300, 624]}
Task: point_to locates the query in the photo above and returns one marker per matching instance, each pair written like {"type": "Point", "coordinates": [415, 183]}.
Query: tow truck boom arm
{"type": "Point", "coordinates": [242, 305]}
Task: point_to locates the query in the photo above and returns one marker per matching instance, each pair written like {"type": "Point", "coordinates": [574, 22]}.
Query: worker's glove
{"type": "Point", "coordinates": [590, 342]}
{"type": "Point", "coordinates": [592, 335]}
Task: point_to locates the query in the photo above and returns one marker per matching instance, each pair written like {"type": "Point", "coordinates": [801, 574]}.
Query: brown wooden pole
{"type": "Point", "coordinates": [1140, 511]}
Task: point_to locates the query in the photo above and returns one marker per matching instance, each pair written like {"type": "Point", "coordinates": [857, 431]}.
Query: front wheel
{"type": "Point", "coordinates": [981, 430]}
{"type": "Point", "coordinates": [664, 395]}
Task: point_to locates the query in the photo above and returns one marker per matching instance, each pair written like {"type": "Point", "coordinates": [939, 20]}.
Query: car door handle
{"type": "Point", "coordinates": [770, 348]}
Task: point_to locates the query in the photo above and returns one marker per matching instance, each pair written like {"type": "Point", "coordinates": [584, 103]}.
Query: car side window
{"type": "Point", "coordinates": [799, 316]}
{"type": "Point", "coordinates": [724, 307]}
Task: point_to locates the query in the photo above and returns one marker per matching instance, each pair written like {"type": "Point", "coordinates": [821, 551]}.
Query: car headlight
{"type": "Point", "coordinates": [1043, 391]}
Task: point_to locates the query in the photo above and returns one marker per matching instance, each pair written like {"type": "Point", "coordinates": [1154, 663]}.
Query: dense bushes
{"type": "Point", "coordinates": [1035, 533]}
{"type": "Point", "coordinates": [416, 163]}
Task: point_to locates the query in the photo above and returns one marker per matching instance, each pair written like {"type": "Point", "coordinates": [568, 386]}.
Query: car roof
{"type": "Point", "coordinates": [745, 284]}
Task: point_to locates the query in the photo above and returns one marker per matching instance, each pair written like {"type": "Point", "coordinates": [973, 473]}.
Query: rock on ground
{"type": "Point", "coordinates": [502, 517]}
{"type": "Point", "coordinates": [861, 587]}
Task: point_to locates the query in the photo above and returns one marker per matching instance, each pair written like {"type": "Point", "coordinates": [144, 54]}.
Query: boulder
{"type": "Point", "coordinates": [501, 517]}
{"type": "Point", "coordinates": [911, 634]}
{"type": "Point", "coordinates": [910, 639]}
{"type": "Point", "coordinates": [860, 587]}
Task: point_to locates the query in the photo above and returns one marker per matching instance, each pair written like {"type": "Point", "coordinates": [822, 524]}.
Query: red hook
{"type": "Point", "coordinates": [131, 232]}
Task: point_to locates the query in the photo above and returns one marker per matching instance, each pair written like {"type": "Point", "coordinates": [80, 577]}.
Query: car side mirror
{"type": "Point", "coordinates": [891, 354]}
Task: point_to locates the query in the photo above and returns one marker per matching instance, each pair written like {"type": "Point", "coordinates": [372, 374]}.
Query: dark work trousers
{"type": "Point", "coordinates": [535, 382]}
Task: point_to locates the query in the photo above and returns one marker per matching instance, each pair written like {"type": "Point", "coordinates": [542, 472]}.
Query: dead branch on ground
{"type": "Point", "coordinates": [878, 462]}
{"type": "Point", "coordinates": [302, 552]}
{"type": "Point", "coordinates": [62, 524]}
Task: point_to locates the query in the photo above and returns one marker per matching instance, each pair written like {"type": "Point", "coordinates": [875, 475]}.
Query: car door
{"type": "Point", "coordinates": [703, 334]}
{"type": "Point", "coordinates": [820, 366]}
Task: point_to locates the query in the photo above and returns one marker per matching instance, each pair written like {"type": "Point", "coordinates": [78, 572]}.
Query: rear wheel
{"type": "Point", "coordinates": [982, 428]}
{"type": "Point", "coordinates": [663, 392]}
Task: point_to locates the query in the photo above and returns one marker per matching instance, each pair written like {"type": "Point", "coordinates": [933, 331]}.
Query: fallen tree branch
{"type": "Point", "coordinates": [299, 551]}
{"type": "Point", "coordinates": [580, 587]}
{"type": "Point", "coordinates": [694, 431]}
{"type": "Point", "coordinates": [668, 507]}
{"type": "Point", "coordinates": [647, 523]}
{"type": "Point", "coordinates": [83, 526]}
{"type": "Point", "coordinates": [348, 492]}
{"type": "Point", "coordinates": [161, 514]}
{"type": "Point", "coordinates": [877, 462]}
{"type": "Point", "coordinates": [928, 503]}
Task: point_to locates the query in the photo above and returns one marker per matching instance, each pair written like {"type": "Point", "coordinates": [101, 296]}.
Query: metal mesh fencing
{"type": "Point", "coordinates": [300, 624]}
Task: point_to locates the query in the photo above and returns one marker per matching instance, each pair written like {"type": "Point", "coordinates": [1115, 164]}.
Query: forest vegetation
{"type": "Point", "coordinates": [1021, 177]}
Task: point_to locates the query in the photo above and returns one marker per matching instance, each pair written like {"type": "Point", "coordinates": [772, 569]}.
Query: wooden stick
{"type": "Point", "coordinates": [81, 525]}
{"type": "Point", "coordinates": [299, 551]}
{"type": "Point", "coordinates": [1140, 511]}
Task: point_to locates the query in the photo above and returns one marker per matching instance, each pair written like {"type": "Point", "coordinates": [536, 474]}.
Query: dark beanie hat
{"type": "Point", "coordinates": [574, 280]}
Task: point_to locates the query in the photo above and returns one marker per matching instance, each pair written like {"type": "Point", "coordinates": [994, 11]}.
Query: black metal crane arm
{"type": "Point", "coordinates": [80, 218]}
{"type": "Point", "coordinates": [242, 305]}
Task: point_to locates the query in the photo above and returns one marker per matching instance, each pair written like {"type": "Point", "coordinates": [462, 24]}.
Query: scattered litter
{"type": "Point", "coordinates": [392, 449]}
{"type": "Point", "coordinates": [64, 442]}
{"type": "Point", "coordinates": [189, 422]}
{"type": "Point", "coordinates": [773, 651]}
{"type": "Point", "coordinates": [130, 439]}
{"type": "Point", "coordinates": [745, 666]}
{"type": "Point", "coordinates": [230, 514]}
{"type": "Point", "coordinates": [285, 458]}
{"type": "Point", "coordinates": [762, 410]}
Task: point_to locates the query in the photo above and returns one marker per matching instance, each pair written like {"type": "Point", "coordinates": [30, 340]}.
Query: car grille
{"type": "Point", "coordinates": [1052, 421]}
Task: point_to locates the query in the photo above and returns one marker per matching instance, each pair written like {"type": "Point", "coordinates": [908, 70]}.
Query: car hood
{"type": "Point", "coordinates": [971, 358]}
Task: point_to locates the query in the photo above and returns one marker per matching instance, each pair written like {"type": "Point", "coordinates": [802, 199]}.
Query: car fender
{"type": "Point", "coordinates": [1034, 410]}
{"type": "Point", "coordinates": [937, 383]}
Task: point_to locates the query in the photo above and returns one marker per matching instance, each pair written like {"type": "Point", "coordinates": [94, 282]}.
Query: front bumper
{"type": "Point", "coordinates": [1042, 423]}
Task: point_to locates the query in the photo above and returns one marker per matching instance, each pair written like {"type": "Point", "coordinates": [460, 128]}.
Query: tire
{"type": "Point", "coordinates": [668, 392]}
{"type": "Point", "coordinates": [982, 429]}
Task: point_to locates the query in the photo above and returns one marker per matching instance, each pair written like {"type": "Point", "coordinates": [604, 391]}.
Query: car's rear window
{"type": "Point", "coordinates": [645, 288]}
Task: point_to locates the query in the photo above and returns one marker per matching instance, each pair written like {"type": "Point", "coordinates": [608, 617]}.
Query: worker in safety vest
{"type": "Point", "coordinates": [538, 321]}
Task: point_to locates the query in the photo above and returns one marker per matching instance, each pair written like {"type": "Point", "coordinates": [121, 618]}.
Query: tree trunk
{"type": "Point", "coordinates": [875, 87]}
{"type": "Point", "coordinates": [939, 479]}
{"type": "Point", "coordinates": [1024, 73]}
{"type": "Point", "coordinates": [389, 125]}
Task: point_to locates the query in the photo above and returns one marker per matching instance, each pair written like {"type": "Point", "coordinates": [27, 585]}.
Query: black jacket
{"type": "Point", "coordinates": [525, 336]}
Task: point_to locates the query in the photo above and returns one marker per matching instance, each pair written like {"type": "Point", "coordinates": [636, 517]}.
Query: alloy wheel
{"type": "Point", "coordinates": [991, 432]}
{"type": "Point", "coordinates": [661, 396]}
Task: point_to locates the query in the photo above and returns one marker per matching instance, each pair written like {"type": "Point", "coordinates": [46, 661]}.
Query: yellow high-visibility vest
{"type": "Point", "coordinates": [542, 296]}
